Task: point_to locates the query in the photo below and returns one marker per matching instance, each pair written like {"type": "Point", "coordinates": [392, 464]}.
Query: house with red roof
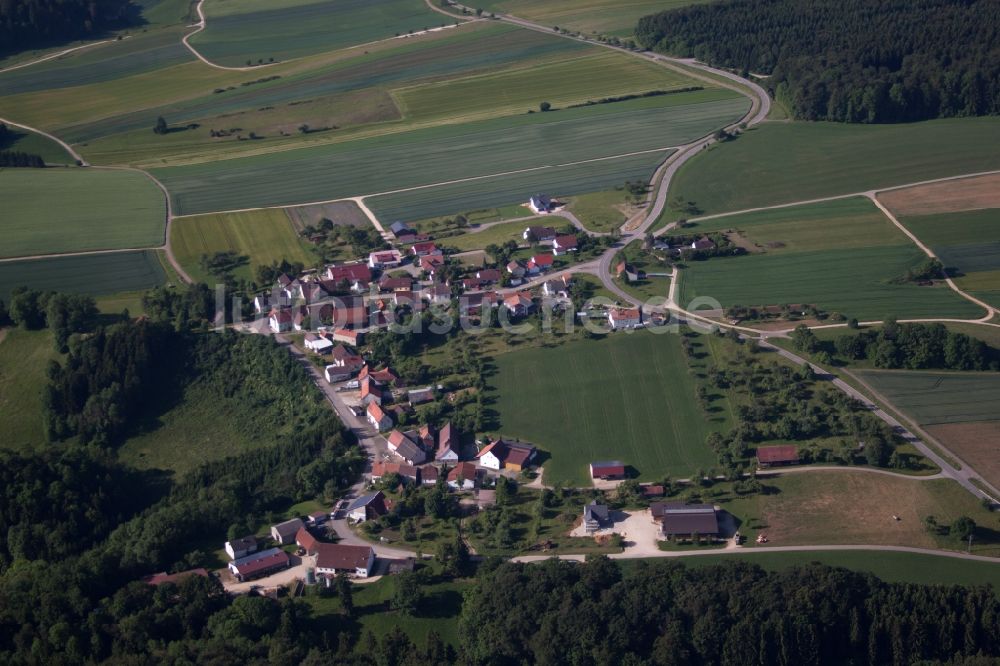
{"type": "Point", "coordinates": [378, 418]}
{"type": "Point", "coordinates": [607, 470]}
{"type": "Point", "coordinates": [259, 564]}
{"type": "Point", "coordinates": [519, 304]}
{"type": "Point", "coordinates": [382, 468]}
{"type": "Point", "coordinates": [782, 454]}
{"type": "Point", "coordinates": [355, 275]}
{"type": "Point", "coordinates": [383, 259]}
{"type": "Point", "coordinates": [163, 577]}
{"type": "Point", "coordinates": [624, 318]}
{"type": "Point", "coordinates": [423, 249]}
{"type": "Point", "coordinates": [500, 454]}
{"type": "Point", "coordinates": [336, 558]}
{"type": "Point", "coordinates": [280, 320]}
{"type": "Point", "coordinates": [431, 263]}
{"type": "Point", "coordinates": [463, 476]}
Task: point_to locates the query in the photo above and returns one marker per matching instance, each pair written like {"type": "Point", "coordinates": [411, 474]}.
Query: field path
{"type": "Point", "coordinates": [68, 148]}
{"type": "Point", "coordinates": [53, 56]}
{"type": "Point", "coordinates": [198, 27]}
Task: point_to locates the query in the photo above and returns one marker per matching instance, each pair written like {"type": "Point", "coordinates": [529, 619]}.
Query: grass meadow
{"type": "Point", "coordinates": [265, 236]}
{"type": "Point", "coordinates": [785, 162]}
{"type": "Point", "coordinates": [24, 357]}
{"type": "Point", "coordinates": [239, 31]}
{"type": "Point", "coordinates": [93, 274]}
{"type": "Point", "coordinates": [64, 210]}
{"type": "Point", "coordinates": [842, 256]}
{"type": "Point", "coordinates": [439, 154]}
{"type": "Point", "coordinates": [626, 397]}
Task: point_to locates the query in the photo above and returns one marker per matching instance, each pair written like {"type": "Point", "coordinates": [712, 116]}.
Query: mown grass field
{"type": "Point", "coordinates": [625, 397]}
{"type": "Point", "coordinates": [607, 17]}
{"type": "Point", "coordinates": [238, 31]}
{"type": "Point", "coordinates": [24, 357]}
{"type": "Point", "coordinates": [94, 274]}
{"type": "Point", "coordinates": [496, 233]}
{"type": "Point", "coordinates": [842, 256]}
{"type": "Point", "coordinates": [786, 162]}
{"type": "Point", "coordinates": [514, 189]}
{"type": "Point", "coordinates": [265, 236]}
{"type": "Point", "coordinates": [887, 565]}
{"type": "Point", "coordinates": [439, 154]}
{"type": "Point", "coordinates": [601, 211]}
{"type": "Point", "coordinates": [939, 397]}
{"type": "Point", "coordinates": [64, 210]}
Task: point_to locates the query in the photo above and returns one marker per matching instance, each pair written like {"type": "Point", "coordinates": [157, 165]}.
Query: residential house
{"type": "Point", "coordinates": [448, 445]}
{"type": "Point", "coordinates": [703, 244]}
{"type": "Point", "coordinates": [391, 284]}
{"type": "Point", "coordinates": [399, 228]}
{"type": "Point", "coordinates": [371, 392]}
{"type": "Point", "coordinates": [317, 344]}
{"type": "Point", "coordinates": [506, 455]}
{"type": "Point", "coordinates": [259, 564]}
{"type": "Point", "coordinates": [342, 357]}
{"type": "Point", "coordinates": [378, 418]}
{"type": "Point", "coordinates": [680, 520]}
{"type": "Point", "coordinates": [424, 249]}
{"type": "Point", "coordinates": [353, 338]}
{"type": "Point", "coordinates": [411, 237]}
{"type": "Point", "coordinates": [381, 468]}
{"type": "Point", "coordinates": [383, 377]}
{"type": "Point", "coordinates": [431, 263]}
{"type": "Point", "coordinates": [241, 547]}
{"type": "Point", "coordinates": [539, 234]}
{"type": "Point", "coordinates": [595, 516]}
{"type": "Point", "coordinates": [620, 318]}
{"type": "Point", "coordinates": [262, 303]}
{"type": "Point", "coordinates": [348, 312]}
{"type": "Point", "coordinates": [280, 320]}
{"type": "Point", "coordinates": [163, 577]}
{"type": "Point", "coordinates": [367, 507]}
{"type": "Point", "coordinates": [335, 558]}
{"type": "Point", "coordinates": [317, 517]}
{"type": "Point", "coordinates": [474, 304]}
{"type": "Point", "coordinates": [782, 454]}
{"type": "Point", "coordinates": [607, 470]}
{"type": "Point", "coordinates": [630, 272]}
{"type": "Point", "coordinates": [305, 540]}
{"type": "Point", "coordinates": [428, 475]}
{"type": "Point", "coordinates": [421, 395]}
{"type": "Point", "coordinates": [437, 293]}
{"type": "Point", "coordinates": [355, 276]}
{"type": "Point", "coordinates": [383, 259]}
{"type": "Point", "coordinates": [564, 245]}
{"type": "Point", "coordinates": [284, 533]}
{"type": "Point", "coordinates": [540, 204]}
{"type": "Point", "coordinates": [558, 288]}
{"type": "Point", "coordinates": [463, 476]}
{"type": "Point", "coordinates": [515, 269]}
{"type": "Point", "coordinates": [425, 437]}
{"type": "Point", "coordinates": [519, 304]}
{"type": "Point", "coordinates": [543, 261]}
{"type": "Point", "coordinates": [489, 275]}
{"type": "Point", "coordinates": [405, 448]}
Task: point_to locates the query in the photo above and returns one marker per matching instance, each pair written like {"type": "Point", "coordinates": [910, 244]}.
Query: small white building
{"type": "Point", "coordinates": [318, 344]}
{"type": "Point", "coordinates": [238, 548]}
{"type": "Point", "coordinates": [383, 259]}
{"type": "Point", "coordinates": [280, 321]}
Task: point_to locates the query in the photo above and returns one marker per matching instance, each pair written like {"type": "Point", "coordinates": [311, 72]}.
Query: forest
{"type": "Point", "coordinates": [28, 24]}
{"type": "Point", "coordinates": [859, 61]}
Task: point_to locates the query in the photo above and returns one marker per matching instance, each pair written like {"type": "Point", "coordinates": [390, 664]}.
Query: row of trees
{"type": "Point", "coordinates": [64, 314]}
{"type": "Point", "coordinates": [868, 61]}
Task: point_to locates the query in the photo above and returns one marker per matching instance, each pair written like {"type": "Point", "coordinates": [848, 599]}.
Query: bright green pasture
{"type": "Point", "coordinates": [626, 397]}
{"type": "Point", "coordinates": [892, 567]}
{"type": "Point", "coordinates": [514, 188]}
{"type": "Point", "coordinates": [561, 83]}
{"type": "Point", "coordinates": [785, 162]}
{"type": "Point", "coordinates": [498, 233]}
{"type": "Point", "coordinates": [439, 154]}
{"type": "Point", "coordinates": [265, 236]}
{"type": "Point", "coordinates": [854, 282]}
{"type": "Point", "coordinates": [239, 31]}
{"type": "Point", "coordinates": [94, 274]}
{"type": "Point", "coordinates": [24, 357]}
{"type": "Point", "coordinates": [61, 210]}
{"type": "Point", "coordinates": [609, 17]}
{"type": "Point", "coordinates": [33, 143]}
{"type": "Point", "coordinates": [939, 397]}
{"type": "Point", "coordinates": [840, 224]}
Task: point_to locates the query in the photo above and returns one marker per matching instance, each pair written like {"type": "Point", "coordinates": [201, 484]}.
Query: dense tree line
{"type": "Point", "coordinates": [867, 61]}
{"type": "Point", "coordinates": [666, 613]}
{"type": "Point", "coordinates": [27, 24]}
{"type": "Point", "coordinates": [63, 314]}
{"type": "Point", "coordinates": [917, 347]}
{"type": "Point", "coordinates": [16, 158]}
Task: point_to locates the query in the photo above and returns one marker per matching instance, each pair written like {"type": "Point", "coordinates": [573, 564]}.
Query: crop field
{"type": "Point", "coordinates": [889, 566]}
{"type": "Point", "coordinates": [36, 144]}
{"type": "Point", "coordinates": [939, 397]}
{"type": "Point", "coordinates": [950, 196]}
{"type": "Point", "coordinates": [439, 154]}
{"type": "Point", "coordinates": [785, 162]}
{"type": "Point", "coordinates": [237, 33]}
{"type": "Point", "coordinates": [339, 212]}
{"type": "Point", "coordinates": [96, 210]}
{"type": "Point", "coordinates": [24, 357]}
{"type": "Point", "coordinates": [265, 236]}
{"type": "Point", "coordinates": [94, 274]}
{"type": "Point", "coordinates": [626, 397]}
{"type": "Point", "coordinates": [515, 188]}
{"type": "Point", "coordinates": [608, 17]}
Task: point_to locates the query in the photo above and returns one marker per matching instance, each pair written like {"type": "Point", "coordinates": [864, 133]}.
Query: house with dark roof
{"type": "Point", "coordinates": [429, 475]}
{"type": "Point", "coordinates": [259, 564]}
{"type": "Point", "coordinates": [448, 445]}
{"type": "Point", "coordinates": [399, 228]}
{"type": "Point", "coordinates": [367, 507]}
{"type": "Point", "coordinates": [684, 521]}
{"type": "Point", "coordinates": [284, 533]}
{"type": "Point", "coordinates": [564, 245]}
{"type": "Point", "coordinates": [595, 516]}
{"type": "Point", "coordinates": [241, 547]}
{"type": "Point", "coordinates": [540, 204]}
{"type": "Point", "coordinates": [419, 396]}
{"type": "Point", "coordinates": [463, 476]}
{"type": "Point", "coordinates": [335, 558]}
{"type": "Point", "coordinates": [782, 454]}
{"type": "Point", "coordinates": [607, 470]}
{"type": "Point", "coordinates": [539, 234]}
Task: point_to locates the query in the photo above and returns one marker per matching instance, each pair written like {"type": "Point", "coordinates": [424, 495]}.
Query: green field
{"type": "Point", "coordinates": [94, 274]}
{"type": "Point", "coordinates": [265, 236]}
{"type": "Point", "coordinates": [439, 154]}
{"type": "Point", "coordinates": [600, 211]}
{"type": "Point", "coordinates": [627, 397]}
{"type": "Point", "coordinates": [494, 234]}
{"type": "Point", "coordinates": [785, 162]}
{"type": "Point", "coordinates": [24, 357]}
{"type": "Point", "coordinates": [939, 397]}
{"type": "Point", "coordinates": [514, 189]}
{"type": "Point", "coordinates": [892, 567]}
{"type": "Point", "coordinates": [842, 256]}
{"type": "Point", "coordinates": [95, 210]}
{"type": "Point", "coordinates": [35, 144]}
{"type": "Point", "coordinates": [607, 17]}
{"type": "Point", "coordinates": [238, 31]}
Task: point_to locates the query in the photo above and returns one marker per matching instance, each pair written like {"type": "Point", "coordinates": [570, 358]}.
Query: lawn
{"type": "Point", "coordinates": [785, 162]}
{"type": "Point", "coordinates": [239, 31]}
{"type": "Point", "coordinates": [495, 233]}
{"type": "Point", "coordinates": [93, 210]}
{"type": "Point", "coordinates": [429, 156]}
{"type": "Point", "coordinates": [625, 397]}
{"type": "Point", "coordinates": [264, 236]}
{"type": "Point", "coordinates": [939, 397]}
{"type": "Point", "coordinates": [24, 357]}
{"type": "Point", "coordinates": [33, 143]}
{"type": "Point", "coordinates": [602, 211]}
{"type": "Point", "coordinates": [94, 274]}
{"type": "Point", "coordinates": [610, 17]}
{"type": "Point", "coordinates": [887, 565]}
